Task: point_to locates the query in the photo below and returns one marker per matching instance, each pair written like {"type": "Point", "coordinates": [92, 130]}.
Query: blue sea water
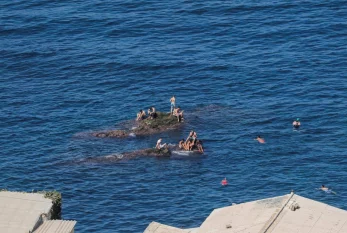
{"type": "Point", "coordinates": [237, 68]}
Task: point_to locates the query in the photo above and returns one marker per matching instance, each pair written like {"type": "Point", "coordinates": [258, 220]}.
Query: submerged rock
{"type": "Point", "coordinates": [150, 152]}
{"type": "Point", "coordinates": [163, 122]}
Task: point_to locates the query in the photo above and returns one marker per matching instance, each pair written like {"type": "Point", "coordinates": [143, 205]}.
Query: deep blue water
{"type": "Point", "coordinates": [237, 68]}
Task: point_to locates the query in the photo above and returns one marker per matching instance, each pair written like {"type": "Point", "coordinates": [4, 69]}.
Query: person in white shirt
{"type": "Point", "coordinates": [159, 145]}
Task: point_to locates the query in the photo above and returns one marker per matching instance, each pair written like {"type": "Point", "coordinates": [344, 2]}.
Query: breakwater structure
{"type": "Point", "coordinates": [283, 214]}
{"type": "Point", "coordinates": [38, 212]}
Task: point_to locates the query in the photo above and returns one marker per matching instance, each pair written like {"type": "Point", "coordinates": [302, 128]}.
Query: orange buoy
{"type": "Point", "coordinates": [224, 182]}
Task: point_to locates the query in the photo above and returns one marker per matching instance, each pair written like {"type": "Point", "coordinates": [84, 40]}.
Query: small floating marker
{"type": "Point", "coordinates": [224, 182]}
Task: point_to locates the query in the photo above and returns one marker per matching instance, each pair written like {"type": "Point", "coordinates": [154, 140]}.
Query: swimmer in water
{"type": "Point", "coordinates": [296, 123]}
{"type": "Point", "coordinates": [260, 139]}
{"type": "Point", "coordinates": [326, 189]}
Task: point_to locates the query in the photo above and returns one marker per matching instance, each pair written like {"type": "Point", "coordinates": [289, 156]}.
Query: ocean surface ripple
{"type": "Point", "coordinates": [238, 69]}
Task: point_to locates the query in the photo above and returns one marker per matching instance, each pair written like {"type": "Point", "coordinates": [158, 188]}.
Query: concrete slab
{"type": "Point", "coordinates": [56, 226]}
{"type": "Point", "coordinates": [155, 227]}
{"type": "Point", "coordinates": [284, 214]}
{"type": "Point", "coordinates": [21, 211]}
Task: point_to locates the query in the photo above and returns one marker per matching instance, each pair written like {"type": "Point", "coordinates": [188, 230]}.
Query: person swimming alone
{"type": "Point", "coordinates": [296, 123]}
{"type": "Point", "coordinates": [260, 139]}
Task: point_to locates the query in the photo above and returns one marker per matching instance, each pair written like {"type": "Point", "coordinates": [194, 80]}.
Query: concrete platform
{"type": "Point", "coordinates": [283, 214]}
{"type": "Point", "coordinates": [56, 226]}
{"type": "Point", "coordinates": [21, 212]}
{"type": "Point", "coordinates": [155, 227]}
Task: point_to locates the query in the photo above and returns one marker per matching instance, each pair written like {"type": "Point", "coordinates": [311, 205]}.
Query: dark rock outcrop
{"type": "Point", "coordinates": [163, 122]}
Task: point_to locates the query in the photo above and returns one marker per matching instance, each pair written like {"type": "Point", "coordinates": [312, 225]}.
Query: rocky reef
{"type": "Point", "coordinates": [163, 122]}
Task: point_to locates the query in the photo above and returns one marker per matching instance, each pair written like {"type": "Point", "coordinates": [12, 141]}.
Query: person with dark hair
{"type": "Point", "coordinates": [199, 146]}
{"type": "Point", "coordinates": [296, 123]}
{"type": "Point", "coordinates": [260, 139]}
{"type": "Point", "coordinates": [182, 145]}
{"type": "Point", "coordinates": [141, 115]}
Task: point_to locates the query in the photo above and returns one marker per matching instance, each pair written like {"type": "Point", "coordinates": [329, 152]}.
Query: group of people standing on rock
{"type": "Point", "coordinates": [174, 111]}
{"type": "Point", "coordinates": [141, 115]}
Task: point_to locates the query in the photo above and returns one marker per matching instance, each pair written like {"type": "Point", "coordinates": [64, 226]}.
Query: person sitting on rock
{"type": "Point", "coordinates": [191, 140]}
{"type": "Point", "coordinates": [159, 145]}
{"type": "Point", "coordinates": [152, 113]}
{"type": "Point", "coordinates": [141, 115]}
{"type": "Point", "coordinates": [190, 136]}
{"type": "Point", "coordinates": [178, 113]}
{"type": "Point", "coordinates": [199, 146]}
{"type": "Point", "coordinates": [296, 123]}
{"type": "Point", "coordinates": [183, 145]}
{"type": "Point", "coordinates": [149, 111]}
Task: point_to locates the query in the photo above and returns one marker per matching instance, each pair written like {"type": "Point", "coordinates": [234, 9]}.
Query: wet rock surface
{"type": "Point", "coordinates": [163, 122]}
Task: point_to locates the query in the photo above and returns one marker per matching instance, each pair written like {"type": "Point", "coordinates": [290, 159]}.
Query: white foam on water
{"type": "Point", "coordinates": [182, 153]}
{"type": "Point", "coordinates": [132, 135]}
{"type": "Point", "coordinates": [113, 156]}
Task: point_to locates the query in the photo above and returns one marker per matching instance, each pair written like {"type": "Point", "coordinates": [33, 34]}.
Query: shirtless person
{"type": "Point", "coordinates": [191, 139]}
{"type": "Point", "coordinates": [178, 113]}
{"type": "Point", "coordinates": [199, 146]}
{"type": "Point", "coordinates": [260, 139]}
{"type": "Point", "coordinates": [296, 123]}
{"type": "Point", "coordinates": [326, 189]}
{"type": "Point", "coordinates": [182, 145]}
{"type": "Point", "coordinates": [173, 103]}
{"type": "Point", "coordinates": [141, 115]}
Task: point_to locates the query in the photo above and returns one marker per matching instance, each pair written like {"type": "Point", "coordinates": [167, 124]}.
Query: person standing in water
{"type": "Point", "coordinates": [173, 104]}
{"type": "Point", "coordinates": [296, 123]}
